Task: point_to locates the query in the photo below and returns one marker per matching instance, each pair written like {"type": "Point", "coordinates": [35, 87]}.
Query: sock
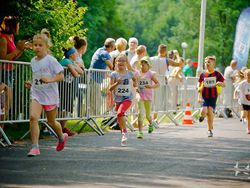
{"type": "Point", "coordinates": [35, 146]}
{"type": "Point", "coordinates": [61, 139]}
{"type": "Point", "coordinates": [124, 131]}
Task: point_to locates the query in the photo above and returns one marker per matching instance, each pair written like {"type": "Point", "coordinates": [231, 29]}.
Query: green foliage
{"type": "Point", "coordinates": [61, 17]}
{"type": "Point", "coordinates": [172, 22]}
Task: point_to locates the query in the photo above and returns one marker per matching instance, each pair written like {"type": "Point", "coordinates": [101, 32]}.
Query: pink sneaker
{"type": "Point", "coordinates": [60, 145]}
{"type": "Point", "coordinates": [34, 152]}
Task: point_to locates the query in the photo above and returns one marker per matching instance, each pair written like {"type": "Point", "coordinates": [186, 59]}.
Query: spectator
{"type": "Point", "coordinates": [8, 50]}
{"type": "Point", "coordinates": [161, 64]}
{"type": "Point", "coordinates": [100, 60]}
{"type": "Point", "coordinates": [120, 45]}
{"type": "Point", "coordinates": [141, 51]}
{"type": "Point", "coordinates": [131, 51]}
{"type": "Point", "coordinates": [187, 69]}
{"type": "Point", "coordinates": [80, 45]}
{"type": "Point", "coordinates": [67, 87]}
{"type": "Point", "coordinates": [230, 76]}
{"type": "Point", "coordinates": [174, 81]}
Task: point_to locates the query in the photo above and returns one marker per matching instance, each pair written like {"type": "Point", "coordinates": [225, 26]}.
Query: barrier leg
{"type": "Point", "coordinates": [97, 126]}
{"type": "Point", "coordinates": [172, 119]}
{"type": "Point", "coordinates": [5, 137]}
{"type": "Point", "coordinates": [129, 125]}
{"type": "Point", "coordinates": [86, 122]}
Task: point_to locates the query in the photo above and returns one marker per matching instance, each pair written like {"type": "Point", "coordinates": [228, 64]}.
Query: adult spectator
{"type": "Point", "coordinates": [230, 76]}
{"type": "Point", "coordinates": [67, 86]}
{"type": "Point", "coordinates": [132, 45]}
{"type": "Point", "coordinates": [120, 45]}
{"type": "Point", "coordinates": [187, 69]}
{"type": "Point", "coordinates": [8, 50]}
{"type": "Point", "coordinates": [100, 60]}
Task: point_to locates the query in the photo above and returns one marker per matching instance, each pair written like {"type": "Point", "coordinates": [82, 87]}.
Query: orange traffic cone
{"type": "Point", "coordinates": [188, 119]}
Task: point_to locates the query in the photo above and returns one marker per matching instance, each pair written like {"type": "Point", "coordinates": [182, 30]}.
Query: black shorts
{"type": "Point", "coordinates": [246, 107]}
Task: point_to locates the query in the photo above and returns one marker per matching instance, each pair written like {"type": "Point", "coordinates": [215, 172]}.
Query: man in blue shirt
{"type": "Point", "coordinates": [100, 60]}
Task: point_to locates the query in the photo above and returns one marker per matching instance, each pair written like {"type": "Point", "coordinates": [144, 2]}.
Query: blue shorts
{"type": "Point", "coordinates": [211, 102]}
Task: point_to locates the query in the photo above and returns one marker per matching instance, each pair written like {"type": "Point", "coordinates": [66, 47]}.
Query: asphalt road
{"type": "Point", "coordinates": [172, 156]}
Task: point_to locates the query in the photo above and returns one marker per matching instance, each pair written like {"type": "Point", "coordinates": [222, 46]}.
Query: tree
{"type": "Point", "coordinates": [62, 18]}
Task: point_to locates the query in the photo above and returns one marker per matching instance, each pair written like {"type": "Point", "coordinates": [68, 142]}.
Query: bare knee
{"type": "Point", "coordinates": [33, 119]}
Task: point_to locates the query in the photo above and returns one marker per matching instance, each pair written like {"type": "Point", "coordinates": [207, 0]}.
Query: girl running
{"type": "Point", "coordinates": [145, 83]}
{"type": "Point", "coordinates": [121, 88]}
{"type": "Point", "coordinates": [46, 72]}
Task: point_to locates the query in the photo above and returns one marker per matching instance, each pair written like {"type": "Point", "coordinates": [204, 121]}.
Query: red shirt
{"type": "Point", "coordinates": [11, 47]}
{"type": "Point", "coordinates": [209, 81]}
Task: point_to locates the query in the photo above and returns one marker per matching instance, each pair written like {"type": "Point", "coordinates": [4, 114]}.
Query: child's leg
{"type": "Point", "coordinates": [35, 113]}
{"type": "Point", "coordinates": [140, 114]}
{"type": "Point", "coordinates": [55, 125]}
{"type": "Point", "coordinates": [210, 118]}
{"type": "Point", "coordinates": [248, 121]}
{"type": "Point", "coordinates": [147, 106]}
{"type": "Point", "coordinates": [122, 108]}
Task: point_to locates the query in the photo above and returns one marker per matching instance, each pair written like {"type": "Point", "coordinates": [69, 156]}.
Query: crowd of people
{"type": "Point", "coordinates": [133, 80]}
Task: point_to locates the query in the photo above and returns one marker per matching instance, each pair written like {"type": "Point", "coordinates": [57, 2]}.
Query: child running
{"type": "Point", "coordinates": [145, 88]}
{"type": "Point", "coordinates": [244, 96]}
{"type": "Point", "coordinates": [121, 87]}
{"type": "Point", "coordinates": [46, 72]}
{"type": "Point", "coordinates": [208, 81]}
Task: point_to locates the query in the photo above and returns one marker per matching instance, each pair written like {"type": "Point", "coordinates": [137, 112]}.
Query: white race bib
{"type": "Point", "coordinates": [142, 82]}
{"type": "Point", "coordinates": [210, 82]}
{"type": "Point", "coordinates": [38, 83]}
{"type": "Point", "coordinates": [123, 90]}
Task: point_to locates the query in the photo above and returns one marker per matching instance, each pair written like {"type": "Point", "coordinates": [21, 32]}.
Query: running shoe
{"type": "Point", "coordinates": [60, 145]}
{"type": "Point", "coordinates": [210, 133]}
{"type": "Point", "coordinates": [150, 128]}
{"type": "Point", "coordinates": [140, 135]}
{"type": "Point", "coordinates": [34, 152]}
{"type": "Point", "coordinates": [124, 140]}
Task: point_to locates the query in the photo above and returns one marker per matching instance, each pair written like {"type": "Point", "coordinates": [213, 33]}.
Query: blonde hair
{"type": "Point", "coordinates": [46, 32]}
{"type": "Point", "coordinates": [121, 56]}
{"type": "Point", "coordinates": [121, 44]}
{"type": "Point", "coordinates": [141, 49]}
{"type": "Point", "coordinates": [44, 38]}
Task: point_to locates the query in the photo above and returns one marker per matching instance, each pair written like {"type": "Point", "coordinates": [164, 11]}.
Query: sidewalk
{"type": "Point", "coordinates": [172, 156]}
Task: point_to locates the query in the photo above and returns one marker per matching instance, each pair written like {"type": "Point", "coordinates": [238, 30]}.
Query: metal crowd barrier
{"type": "Point", "coordinates": [87, 98]}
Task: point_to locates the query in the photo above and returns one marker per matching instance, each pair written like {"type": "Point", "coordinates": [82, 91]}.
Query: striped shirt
{"type": "Point", "coordinates": [209, 81]}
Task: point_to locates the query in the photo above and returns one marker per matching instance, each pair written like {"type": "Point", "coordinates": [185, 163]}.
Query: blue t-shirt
{"type": "Point", "coordinates": [98, 62]}
{"type": "Point", "coordinates": [122, 91]}
{"type": "Point", "coordinates": [98, 59]}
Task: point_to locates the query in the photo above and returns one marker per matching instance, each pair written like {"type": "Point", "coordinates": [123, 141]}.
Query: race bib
{"type": "Point", "coordinates": [210, 82]}
{"type": "Point", "coordinates": [142, 82]}
{"type": "Point", "coordinates": [38, 83]}
{"type": "Point", "coordinates": [247, 93]}
{"type": "Point", "coordinates": [123, 90]}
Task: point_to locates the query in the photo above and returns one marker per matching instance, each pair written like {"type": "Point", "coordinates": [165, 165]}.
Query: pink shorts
{"type": "Point", "coordinates": [49, 107]}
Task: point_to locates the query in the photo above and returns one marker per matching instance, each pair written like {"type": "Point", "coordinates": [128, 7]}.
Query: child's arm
{"type": "Point", "coordinates": [57, 78]}
{"type": "Point", "coordinates": [155, 85]}
{"type": "Point", "coordinates": [114, 83]}
{"type": "Point", "coordinates": [222, 84]}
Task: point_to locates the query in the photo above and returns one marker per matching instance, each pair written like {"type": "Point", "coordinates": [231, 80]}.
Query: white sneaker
{"type": "Point", "coordinates": [124, 140]}
{"type": "Point", "coordinates": [210, 133]}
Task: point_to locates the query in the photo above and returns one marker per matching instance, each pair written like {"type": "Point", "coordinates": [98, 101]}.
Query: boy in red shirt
{"type": "Point", "coordinates": [208, 81]}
